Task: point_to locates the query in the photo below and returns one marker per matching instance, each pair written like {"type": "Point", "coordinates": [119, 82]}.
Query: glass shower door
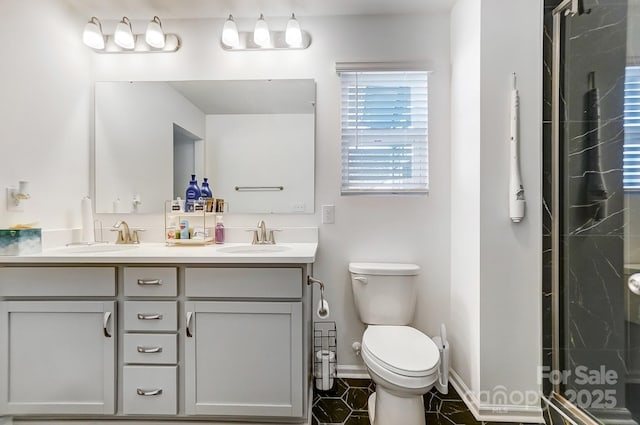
{"type": "Point", "coordinates": [594, 324]}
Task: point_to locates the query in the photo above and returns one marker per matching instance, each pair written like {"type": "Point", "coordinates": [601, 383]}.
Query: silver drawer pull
{"type": "Point", "coordinates": [105, 324]}
{"type": "Point", "coordinates": [146, 350]}
{"type": "Point", "coordinates": [143, 282]}
{"type": "Point", "coordinates": [140, 391]}
{"type": "Point", "coordinates": [189, 331]}
{"type": "Point", "coordinates": [144, 316]}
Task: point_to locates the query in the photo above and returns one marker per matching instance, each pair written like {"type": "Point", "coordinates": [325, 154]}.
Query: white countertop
{"type": "Point", "coordinates": [160, 253]}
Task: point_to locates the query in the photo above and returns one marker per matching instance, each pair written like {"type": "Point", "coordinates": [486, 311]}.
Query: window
{"type": "Point", "coordinates": [384, 132]}
{"type": "Point", "coordinates": [631, 156]}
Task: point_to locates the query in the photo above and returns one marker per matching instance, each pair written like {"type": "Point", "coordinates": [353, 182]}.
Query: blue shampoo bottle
{"type": "Point", "coordinates": [192, 194]}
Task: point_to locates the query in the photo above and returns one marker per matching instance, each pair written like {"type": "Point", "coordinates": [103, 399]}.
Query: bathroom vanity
{"type": "Point", "coordinates": [157, 332]}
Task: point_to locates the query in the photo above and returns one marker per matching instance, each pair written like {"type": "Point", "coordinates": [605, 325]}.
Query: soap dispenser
{"type": "Point", "coordinates": [192, 194]}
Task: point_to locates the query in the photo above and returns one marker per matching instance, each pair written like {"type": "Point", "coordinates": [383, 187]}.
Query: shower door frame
{"type": "Point", "coordinates": [567, 8]}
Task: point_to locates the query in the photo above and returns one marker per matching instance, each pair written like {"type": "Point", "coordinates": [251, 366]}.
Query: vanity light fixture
{"type": "Point", "coordinates": [261, 35]}
{"type": "Point", "coordinates": [124, 40]}
{"type": "Point", "coordinates": [230, 35]}
{"type": "Point", "coordinates": [293, 33]}
{"type": "Point", "coordinates": [92, 35]}
{"type": "Point", "coordinates": [123, 36]}
{"type": "Point", "coordinates": [262, 38]}
{"type": "Point", "coordinates": [155, 35]}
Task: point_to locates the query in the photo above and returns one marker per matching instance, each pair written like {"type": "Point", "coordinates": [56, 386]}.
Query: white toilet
{"type": "Point", "coordinates": [402, 361]}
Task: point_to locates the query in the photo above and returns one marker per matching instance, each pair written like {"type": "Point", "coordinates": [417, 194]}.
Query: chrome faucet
{"type": "Point", "coordinates": [126, 235]}
{"type": "Point", "coordinates": [262, 235]}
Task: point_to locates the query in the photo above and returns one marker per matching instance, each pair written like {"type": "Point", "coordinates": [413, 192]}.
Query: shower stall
{"type": "Point", "coordinates": [591, 290]}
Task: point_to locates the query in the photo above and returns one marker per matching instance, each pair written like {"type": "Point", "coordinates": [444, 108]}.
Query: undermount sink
{"type": "Point", "coordinates": [252, 249]}
{"type": "Point", "coordinates": [89, 249]}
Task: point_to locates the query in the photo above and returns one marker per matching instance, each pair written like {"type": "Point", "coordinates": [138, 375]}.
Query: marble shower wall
{"type": "Point", "coordinates": [592, 211]}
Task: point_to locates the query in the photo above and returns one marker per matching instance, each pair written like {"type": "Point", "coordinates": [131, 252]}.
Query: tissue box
{"type": "Point", "coordinates": [20, 241]}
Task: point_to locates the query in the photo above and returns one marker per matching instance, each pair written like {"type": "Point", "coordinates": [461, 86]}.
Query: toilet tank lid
{"type": "Point", "coordinates": [388, 269]}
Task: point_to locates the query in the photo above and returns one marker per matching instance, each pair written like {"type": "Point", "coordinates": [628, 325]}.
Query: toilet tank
{"type": "Point", "coordinates": [384, 293]}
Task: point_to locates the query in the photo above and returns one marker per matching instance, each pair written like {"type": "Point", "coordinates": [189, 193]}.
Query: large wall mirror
{"type": "Point", "coordinates": [253, 139]}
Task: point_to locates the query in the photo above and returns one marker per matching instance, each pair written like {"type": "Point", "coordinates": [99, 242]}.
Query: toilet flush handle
{"type": "Point", "coordinates": [361, 279]}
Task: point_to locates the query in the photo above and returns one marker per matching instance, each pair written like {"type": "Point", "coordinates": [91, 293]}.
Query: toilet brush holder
{"type": "Point", "coordinates": [325, 355]}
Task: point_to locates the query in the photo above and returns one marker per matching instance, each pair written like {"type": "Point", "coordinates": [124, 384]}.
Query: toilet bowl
{"type": "Point", "coordinates": [403, 362]}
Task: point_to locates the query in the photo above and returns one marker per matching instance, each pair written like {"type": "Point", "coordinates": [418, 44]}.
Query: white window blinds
{"type": "Point", "coordinates": [384, 132]}
{"type": "Point", "coordinates": [631, 156]}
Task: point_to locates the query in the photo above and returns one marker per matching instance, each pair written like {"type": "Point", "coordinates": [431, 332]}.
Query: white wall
{"type": "Point", "coordinates": [510, 254]}
{"type": "Point", "coordinates": [499, 350]}
{"type": "Point", "coordinates": [45, 110]}
{"type": "Point", "coordinates": [465, 192]}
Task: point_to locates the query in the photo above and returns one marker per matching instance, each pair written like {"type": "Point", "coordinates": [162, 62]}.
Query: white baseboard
{"type": "Point", "coordinates": [352, 371]}
{"type": "Point", "coordinates": [495, 412]}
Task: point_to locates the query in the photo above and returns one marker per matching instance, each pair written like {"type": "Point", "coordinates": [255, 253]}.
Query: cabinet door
{"type": "Point", "coordinates": [244, 358]}
{"type": "Point", "coordinates": [58, 357]}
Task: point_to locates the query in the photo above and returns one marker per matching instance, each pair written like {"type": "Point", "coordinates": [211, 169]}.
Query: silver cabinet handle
{"type": "Point", "coordinates": [144, 316]}
{"type": "Point", "coordinates": [146, 350]}
{"type": "Point", "coordinates": [140, 391]}
{"type": "Point", "coordinates": [189, 317]}
{"type": "Point", "coordinates": [145, 282]}
{"type": "Point", "coordinates": [105, 324]}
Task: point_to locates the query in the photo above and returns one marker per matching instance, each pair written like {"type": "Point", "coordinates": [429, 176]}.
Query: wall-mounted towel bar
{"type": "Point", "coordinates": [258, 188]}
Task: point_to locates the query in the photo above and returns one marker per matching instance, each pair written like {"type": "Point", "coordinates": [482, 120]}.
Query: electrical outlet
{"type": "Point", "coordinates": [328, 214]}
{"type": "Point", "coordinates": [298, 207]}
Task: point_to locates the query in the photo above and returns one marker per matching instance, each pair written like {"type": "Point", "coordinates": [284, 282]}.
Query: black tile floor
{"type": "Point", "coordinates": [346, 404]}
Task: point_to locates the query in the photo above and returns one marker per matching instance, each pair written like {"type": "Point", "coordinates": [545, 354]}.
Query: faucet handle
{"type": "Point", "coordinates": [135, 237]}
{"type": "Point", "coordinates": [254, 240]}
{"type": "Point", "coordinates": [272, 239]}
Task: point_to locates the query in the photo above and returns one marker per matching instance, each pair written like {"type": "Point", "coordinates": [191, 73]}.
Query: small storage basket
{"type": "Point", "coordinates": [325, 355]}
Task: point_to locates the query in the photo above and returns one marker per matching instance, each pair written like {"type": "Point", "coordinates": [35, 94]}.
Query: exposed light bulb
{"type": "Point", "coordinates": [293, 34]}
{"type": "Point", "coordinates": [155, 35]}
{"type": "Point", "coordinates": [230, 35]}
{"type": "Point", "coordinates": [261, 35]}
{"type": "Point", "coordinates": [92, 35]}
{"type": "Point", "coordinates": [123, 36]}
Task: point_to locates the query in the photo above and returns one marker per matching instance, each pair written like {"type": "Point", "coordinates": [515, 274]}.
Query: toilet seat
{"type": "Point", "coordinates": [402, 350]}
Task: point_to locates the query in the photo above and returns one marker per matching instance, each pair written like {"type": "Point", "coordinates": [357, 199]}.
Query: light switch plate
{"type": "Point", "coordinates": [328, 214]}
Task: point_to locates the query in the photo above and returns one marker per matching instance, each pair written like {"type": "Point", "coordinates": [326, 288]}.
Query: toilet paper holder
{"type": "Point", "coordinates": [322, 309]}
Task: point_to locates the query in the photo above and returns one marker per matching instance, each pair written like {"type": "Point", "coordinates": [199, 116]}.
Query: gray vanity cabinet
{"type": "Point", "coordinates": [244, 358]}
{"type": "Point", "coordinates": [58, 357]}
{"type": "Point", "coordinates": [244, 344]}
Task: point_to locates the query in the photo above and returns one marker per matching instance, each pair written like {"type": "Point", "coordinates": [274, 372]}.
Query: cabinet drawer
{"type": "Point", "coordinates": [243, 282]}
{"type": "Point", "coordinates": [150, 316]}
{"type": "Point", "coordinates": [150, 282]}
{"type": "Point", "coordinates": [150, 348]}
{"type": "Point", "coordinates": [57, 281]}
{"type": "Point", "coordinates": [150, 390]}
